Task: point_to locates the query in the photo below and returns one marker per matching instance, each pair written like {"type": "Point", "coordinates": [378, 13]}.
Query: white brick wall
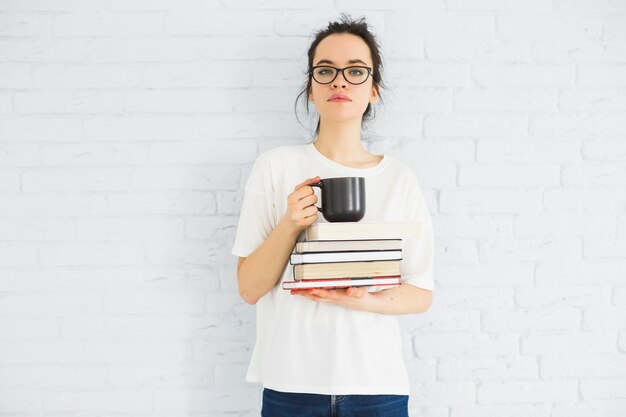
{"type": "Point", "coordinates": [127, 131]}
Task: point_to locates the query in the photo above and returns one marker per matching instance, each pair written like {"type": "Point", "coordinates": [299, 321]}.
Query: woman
{"type": "Point", "coordinates": [319, 352]}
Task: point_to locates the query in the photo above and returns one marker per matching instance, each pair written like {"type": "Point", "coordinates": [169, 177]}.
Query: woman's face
{"type": "Point", "coordinates": [338, 50]}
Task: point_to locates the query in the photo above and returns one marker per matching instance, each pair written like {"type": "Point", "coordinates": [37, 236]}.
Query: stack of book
{"type": "Point", "coordinates": [349, 254]}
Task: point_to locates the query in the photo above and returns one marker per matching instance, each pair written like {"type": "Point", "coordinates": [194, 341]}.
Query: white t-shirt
{"type": "Point", "coordinates": [317, 347]}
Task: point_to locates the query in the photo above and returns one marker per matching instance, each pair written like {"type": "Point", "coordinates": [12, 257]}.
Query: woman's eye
{"type": "Point", "coordinates": [357, 72]}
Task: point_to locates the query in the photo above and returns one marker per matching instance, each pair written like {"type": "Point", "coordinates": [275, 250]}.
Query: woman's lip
{"type": "Point", "coordinates": [339, 99]}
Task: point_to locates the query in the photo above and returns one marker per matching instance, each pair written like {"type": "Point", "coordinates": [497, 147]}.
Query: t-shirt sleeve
{"type": "Point", "coordinates": [258, 211]}
{"type": "Point", "coordinates": [416, 267]}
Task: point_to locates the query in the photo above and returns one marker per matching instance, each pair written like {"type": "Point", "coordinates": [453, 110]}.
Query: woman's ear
{"type": "Point", "coordinates": [374, 96]}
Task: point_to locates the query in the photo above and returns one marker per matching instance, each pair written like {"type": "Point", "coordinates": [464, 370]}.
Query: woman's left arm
{"type": "Point", "coordinates": [404, 299]}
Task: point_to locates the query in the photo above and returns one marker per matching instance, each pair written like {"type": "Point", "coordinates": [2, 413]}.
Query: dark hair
{"type": "Point", "coordinates": [355, 27]}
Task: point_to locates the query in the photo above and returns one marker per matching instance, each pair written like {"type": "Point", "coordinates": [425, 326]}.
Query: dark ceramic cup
{"type": "Point", "coordinates": [343, 198]}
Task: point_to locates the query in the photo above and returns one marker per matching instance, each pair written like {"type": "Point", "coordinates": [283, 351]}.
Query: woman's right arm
{"type": "Point", "coordinates": [258, 273]}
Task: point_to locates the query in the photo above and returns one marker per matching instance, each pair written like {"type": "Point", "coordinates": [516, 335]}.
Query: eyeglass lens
{"type": "Point", "coordinates": [354, 75]}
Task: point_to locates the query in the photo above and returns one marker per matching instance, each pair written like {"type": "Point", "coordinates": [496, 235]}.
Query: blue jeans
{"type": "Point", "coordinates": [289, 404]}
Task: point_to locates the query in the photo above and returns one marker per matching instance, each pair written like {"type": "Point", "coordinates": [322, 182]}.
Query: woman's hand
{"type": "Point", "coordinates": [356, 298]}
{"type": "Point", "coordinates": [301, 210]}
{"type": "Point", "coordinates": [403, 299]}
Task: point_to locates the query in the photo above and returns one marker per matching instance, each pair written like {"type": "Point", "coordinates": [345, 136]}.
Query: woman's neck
{"type": "Point", "coordinates": [341, 142]}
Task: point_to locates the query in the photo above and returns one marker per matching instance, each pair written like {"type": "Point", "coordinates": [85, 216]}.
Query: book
{"type": "Point", "coordinates": [355, 251]}
{"type": "Point", "coordinates": [382, 281]}
{"type": "Point", "coordinates": [354, 256]}
{"type": "Point", "coordinates": [359, 230]}
{"type": "Point", "coordinates": [345, 269]}
{"type": "Point", "coordinates": [348, 245]}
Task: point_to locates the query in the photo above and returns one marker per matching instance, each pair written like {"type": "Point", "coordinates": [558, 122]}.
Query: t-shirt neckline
{"type": "Point", "coordinates": [380, 165]}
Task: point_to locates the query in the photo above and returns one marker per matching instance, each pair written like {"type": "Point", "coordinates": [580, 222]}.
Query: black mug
{"type": "Point", "coordinates": [343, 198]}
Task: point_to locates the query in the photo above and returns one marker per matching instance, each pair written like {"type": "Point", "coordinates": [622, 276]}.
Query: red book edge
{"type": "Point", "coordinates": [347, 281]}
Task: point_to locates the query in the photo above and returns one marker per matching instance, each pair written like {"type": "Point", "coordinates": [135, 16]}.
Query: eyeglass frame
{"type": "Point", "coordinates": [342, 70]}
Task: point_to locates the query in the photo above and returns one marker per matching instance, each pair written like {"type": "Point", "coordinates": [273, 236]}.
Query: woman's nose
{"type": "Point", "coordinates": [340, 80]}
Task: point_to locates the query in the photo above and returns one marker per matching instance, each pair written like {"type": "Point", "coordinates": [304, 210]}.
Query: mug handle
{"type": "Point", "coordinates": [318, 184]}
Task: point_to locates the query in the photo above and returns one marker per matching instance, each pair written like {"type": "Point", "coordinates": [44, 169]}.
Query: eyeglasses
{"type": "Point", "coordinates": [325, 74]}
